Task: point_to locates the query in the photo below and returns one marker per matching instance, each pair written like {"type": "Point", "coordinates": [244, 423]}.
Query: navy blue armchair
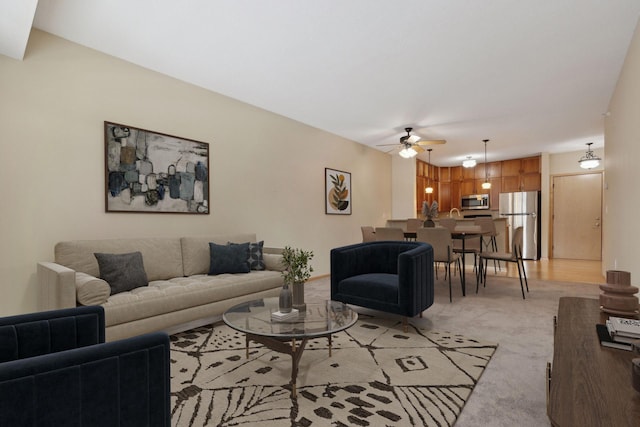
{"type": "Point", "coordinates": [56, 370]}
{"type": "Point", "coordinates": [389, 276]}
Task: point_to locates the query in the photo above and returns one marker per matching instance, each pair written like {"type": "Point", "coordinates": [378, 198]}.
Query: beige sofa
{"type": "Point", "coordinates": [180, 293]}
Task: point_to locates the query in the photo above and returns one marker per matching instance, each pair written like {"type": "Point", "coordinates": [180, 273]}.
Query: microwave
{"type": "Point", "coordinates": [475, 201]}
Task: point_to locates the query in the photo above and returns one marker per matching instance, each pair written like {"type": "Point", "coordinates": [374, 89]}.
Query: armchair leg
{"type": "Point", "coordinates": [405, 324]}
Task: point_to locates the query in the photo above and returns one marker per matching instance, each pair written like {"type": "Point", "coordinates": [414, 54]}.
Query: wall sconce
{"type": "Point", "coordinates": [589, 160]}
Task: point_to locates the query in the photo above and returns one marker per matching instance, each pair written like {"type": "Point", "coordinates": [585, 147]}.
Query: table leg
{"type": "Point", "coordinates": [294, 349]}
{"type": "Point", "coordinates": [479, 267]}
{"type": "Point", "coordinates": [463, 279]}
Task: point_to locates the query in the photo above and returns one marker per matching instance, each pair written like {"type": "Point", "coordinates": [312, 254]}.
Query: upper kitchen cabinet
{"type": "Point", "coordinates": [450, 183]}
{"type": "Point", "coordinates": [521, 174]}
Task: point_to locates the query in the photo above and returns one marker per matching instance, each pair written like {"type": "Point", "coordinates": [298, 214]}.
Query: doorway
{"type": "Point", "coordinates": [577, 216]}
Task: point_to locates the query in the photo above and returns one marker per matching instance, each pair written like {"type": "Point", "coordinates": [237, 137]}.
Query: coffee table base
{"type": "Point", "coordinates": [292, 347]}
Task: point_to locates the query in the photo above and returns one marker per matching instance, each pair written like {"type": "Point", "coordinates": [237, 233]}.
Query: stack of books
{"type": "Point", "coordinates": [619, 333]}
{"type": "Point", "coordinates": [279, 316]}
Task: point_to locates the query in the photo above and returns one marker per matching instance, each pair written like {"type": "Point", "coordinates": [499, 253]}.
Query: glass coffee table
{"type": "Point", "coordinates": [289, 336]}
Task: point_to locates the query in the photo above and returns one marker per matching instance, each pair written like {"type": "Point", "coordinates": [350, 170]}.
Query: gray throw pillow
{"type": "Point", "coordinates": [122, 272]}
{"type": "Point", "coordinates": [256, 258]}
{"type": "Point", "coordinates": [228, 258]}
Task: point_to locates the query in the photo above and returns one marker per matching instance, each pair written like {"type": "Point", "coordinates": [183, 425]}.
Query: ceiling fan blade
{"type": "Point", "coordinates": [412, 139]}
{"type": "Point", "coordinates": [387, 145]}
{"type": "Point", "coordinates": [417, 148]}
{"type": "Point", "coordinates": [432, 142]}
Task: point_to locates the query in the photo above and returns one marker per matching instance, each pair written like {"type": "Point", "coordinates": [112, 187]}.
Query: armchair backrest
{"type": "Point", "coordinates": [125, 382]}
{"type": "Point", "coordinates": [370, 257]}
{"type": "Point", "coordinates": [35, 334]}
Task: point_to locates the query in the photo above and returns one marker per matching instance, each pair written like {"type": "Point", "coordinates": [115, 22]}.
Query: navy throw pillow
{"type": "Point", "coordinates": [228, 258]}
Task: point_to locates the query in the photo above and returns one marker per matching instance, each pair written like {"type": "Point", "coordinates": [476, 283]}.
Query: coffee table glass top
{"type": "Point", "coordinates": [319, 319]}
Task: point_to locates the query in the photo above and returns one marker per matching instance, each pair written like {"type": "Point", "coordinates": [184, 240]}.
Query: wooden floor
{"type": "Point", "coordinates": [562, 270]}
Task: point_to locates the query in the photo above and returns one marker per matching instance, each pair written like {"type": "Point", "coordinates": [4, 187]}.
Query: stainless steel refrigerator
{"type": "Point", "coordinates": [522, 209]}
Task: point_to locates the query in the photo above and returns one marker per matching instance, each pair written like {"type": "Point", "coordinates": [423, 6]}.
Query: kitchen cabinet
{"type": "Point", "coordinates": [468, 186]}
{"type": "Point", "coordinates": [450, 183]}
{"type": "Point", "coordinates": [445, 200]}
{"type": "Point", "coordinates": [521, 174]}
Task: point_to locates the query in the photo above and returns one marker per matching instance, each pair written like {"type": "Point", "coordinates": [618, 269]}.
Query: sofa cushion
{"type": "Point", "coordinates": [183, 293]}
{"type": "Point", "coordinates": [376, 286]}
{"type": "Point", "coordinates": [196, 253]}
{"type": "Point", "coordinates": [122, 272]}
{"type": "Point", "coordinates": [91, 290]}
{"type": "Point", "coordinates": [229, 258]}
{"type": "Point", "coordinates": [162, 255]}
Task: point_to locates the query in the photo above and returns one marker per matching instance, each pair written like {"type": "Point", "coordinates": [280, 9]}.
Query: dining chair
{"type": "Point", "coordinates": [368, 233]}
{"type": "Point", "coordinates": [440, 239]}
{"type": "Point", "coordinates": [471, 246]}
{"type": "Point", "coordinates": [489, 241]}
{"type": "Point", "coordinates": [449, 223]}
{"type": "Point", "coordinates": [514, 256]}
{"type": "Point", "coordinates": [389, 233]}
{"type": "Point", "coordinates": [413, 224]}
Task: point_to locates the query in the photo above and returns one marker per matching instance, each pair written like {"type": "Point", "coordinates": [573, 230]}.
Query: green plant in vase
{"type": "Point", "coordinates": [297, 271]}
{"type": "Point", "coordinates": [429, 212]}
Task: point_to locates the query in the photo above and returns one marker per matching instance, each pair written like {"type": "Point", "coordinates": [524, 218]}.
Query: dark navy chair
{"type": "Point", "coordinates": [390, 276]}
{"type": "Point", "coordinates": [56, 370]}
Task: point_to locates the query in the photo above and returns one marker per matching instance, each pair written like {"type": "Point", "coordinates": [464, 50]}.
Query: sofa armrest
{"type": "Point", "coordinates": [415, 277]}
{"type": "Point", "coordinates": [56, 286]}
{"type": "Point", "coordinates": [273, 259]}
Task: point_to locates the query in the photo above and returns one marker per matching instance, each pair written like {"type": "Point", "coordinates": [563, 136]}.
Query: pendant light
{"type": "Point", "coordinates": [589, 160]}
{"type": "Point", "coordinates": [429, 189]}
{"type": "Point", "coordinates": [486, 185]}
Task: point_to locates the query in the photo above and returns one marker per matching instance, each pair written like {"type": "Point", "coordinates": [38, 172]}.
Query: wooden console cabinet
{"type": "Point", "coordinates": [590, 385]}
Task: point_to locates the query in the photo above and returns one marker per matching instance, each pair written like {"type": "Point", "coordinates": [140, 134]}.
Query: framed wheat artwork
{"type": "Point", "coordinates": [152, 172]}
{"type": "Point", "coordinates": [337, 192]}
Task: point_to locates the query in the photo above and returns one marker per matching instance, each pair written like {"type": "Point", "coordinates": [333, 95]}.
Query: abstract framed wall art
{"type": "Point", "coordinates": [151, 172]}
{"type": "Point", "coordinates": [337, 191]}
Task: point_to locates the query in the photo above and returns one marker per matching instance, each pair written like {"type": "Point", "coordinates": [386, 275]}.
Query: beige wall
{"type": "Point", "coordinates": [622, 147]}
{"type": "Point", "coordinates": [266, 171]}
{"type": "Point", "coordinates": [403, 185]}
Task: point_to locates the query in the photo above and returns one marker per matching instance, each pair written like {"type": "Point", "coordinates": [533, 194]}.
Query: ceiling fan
{"type": "Point", "coordinates": [410, 145]}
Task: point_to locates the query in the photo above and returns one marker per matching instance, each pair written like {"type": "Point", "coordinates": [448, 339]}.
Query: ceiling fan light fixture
{"type": "Point", "coordinates": [469, 162]}
{"type": "Point", "coordinates": [589, 160]}
{"type": "Point", "coordinates": [408, 153]}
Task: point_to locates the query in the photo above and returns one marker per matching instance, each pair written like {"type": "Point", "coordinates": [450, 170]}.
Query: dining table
{"type": "Point", "coordinates": [463, 233]}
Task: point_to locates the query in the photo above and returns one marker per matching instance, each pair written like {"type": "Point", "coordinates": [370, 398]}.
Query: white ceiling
{"type": "Point", "coordinates": [530, 75]}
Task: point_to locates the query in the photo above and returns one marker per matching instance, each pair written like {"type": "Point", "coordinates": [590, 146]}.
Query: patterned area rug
{"type": "Point", "coordinates": [377, 376]}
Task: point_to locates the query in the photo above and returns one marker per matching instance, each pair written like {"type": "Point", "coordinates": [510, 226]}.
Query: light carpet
{"type": "Point", "coordinates": [377, 376]}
